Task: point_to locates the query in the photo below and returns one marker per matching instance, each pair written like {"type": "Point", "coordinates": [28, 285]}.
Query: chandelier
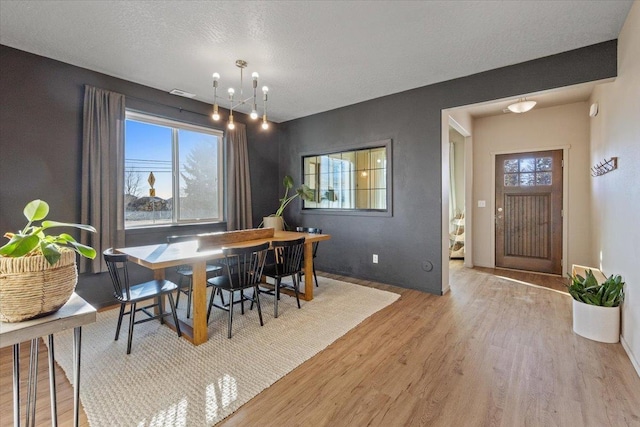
{"type": "Point", "coordinates": [233, 104]}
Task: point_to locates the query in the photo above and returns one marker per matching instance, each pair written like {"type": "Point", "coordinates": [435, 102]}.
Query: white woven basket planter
{"type": "Point", "coordinates": [30, 287]}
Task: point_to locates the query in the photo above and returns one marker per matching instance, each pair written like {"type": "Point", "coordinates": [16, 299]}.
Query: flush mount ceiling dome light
{"type": "Point", "coordinates": [254, 110]}
{"type": "Point", "coordinates": [522, 106]}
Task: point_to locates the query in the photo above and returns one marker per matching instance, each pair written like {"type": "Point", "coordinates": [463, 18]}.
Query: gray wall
{"type": "Point", "coordinates": [41, 102]}
{"type": "Point", "coordinates": [41, 133]}
{"type": "Point", "coordinates": [412, 119]}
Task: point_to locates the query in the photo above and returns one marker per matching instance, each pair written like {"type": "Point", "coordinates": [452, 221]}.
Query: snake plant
{"type": "Point", "coordinates": [610, 293]}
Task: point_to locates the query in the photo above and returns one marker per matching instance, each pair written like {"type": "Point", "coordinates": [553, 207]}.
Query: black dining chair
{"type": "Point", "coordinates": [311, 230]}
{"type": "Point", "coordinates": [186, 273]}
{"type": "Point", "coordinates": [131, 295]}
{"type": "Point", "coordinates": [244, 267]}
{"type": "Point", "coordinates": [288, 262]}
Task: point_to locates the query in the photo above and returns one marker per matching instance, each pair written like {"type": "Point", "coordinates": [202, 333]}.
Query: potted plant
{"type": "Point", "coordinates": [596, 305]}
{"type": "Point", "coordinates": [38, 270]}
{"type": "Point", "coordinates": [276, 220]}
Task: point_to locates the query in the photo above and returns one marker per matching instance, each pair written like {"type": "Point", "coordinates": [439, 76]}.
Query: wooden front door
{"type": "Point", "coordinates": [529, 211]}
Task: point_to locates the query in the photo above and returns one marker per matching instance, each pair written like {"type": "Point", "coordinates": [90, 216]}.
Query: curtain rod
{"type": "Point", "coordinates": [166, 105]}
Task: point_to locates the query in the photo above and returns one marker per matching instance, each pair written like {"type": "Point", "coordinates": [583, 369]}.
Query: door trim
{"type": "Point", "coordinates": [565, 199]}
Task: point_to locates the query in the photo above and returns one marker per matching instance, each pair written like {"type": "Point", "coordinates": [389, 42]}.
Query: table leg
{"type": "Point", "coordinates": [32, 384]}
{"type": "Point", "coordinates": [308, 272]}
{"type": "Point", "coordinates": [52, 383]}
{"type": "Point", "coordinates": [16, 385]}
{"type": "Point", "coordinates": [158, 275]}
{"type": "Point", "coordinates": [77, 336]}
{"type": "Point", "coordinates": [199, 299]}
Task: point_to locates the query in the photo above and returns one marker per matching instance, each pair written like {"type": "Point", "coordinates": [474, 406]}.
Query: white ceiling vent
{"type": "Point", "coordinates": [182, 93]}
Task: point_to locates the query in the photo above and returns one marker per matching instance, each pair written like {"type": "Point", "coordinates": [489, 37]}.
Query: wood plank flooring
{"type": "Point", "coordinates": [492, 352]}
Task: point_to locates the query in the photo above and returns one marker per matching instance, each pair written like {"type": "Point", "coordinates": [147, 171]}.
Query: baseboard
{"type": "Point", "coordinates": [634, 362]}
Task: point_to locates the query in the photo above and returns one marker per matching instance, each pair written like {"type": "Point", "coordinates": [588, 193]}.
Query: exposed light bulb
{"type": "Point", "coordinates": [265, 89]}
{"type": "Point", "coordinates": [265, 124]}
{"type": "Point", "coordinates": [254, 114]}
{"type": "Point", "coordinates": [231, 91]}
{"type": "Point", "coordinates": [255, 76]}
{"type": "Point", "coordinates": [231, 125]}
{"type": "Point", "coordinates": [216, 76]}
{"type": "Point", "coordinates": [215, 116]}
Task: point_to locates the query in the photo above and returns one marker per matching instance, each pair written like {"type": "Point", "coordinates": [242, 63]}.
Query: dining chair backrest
{"type": "Point", "coordinates": [244, 265]}
{"type": "Point", "coordinates": [311, 230]}
{"type": "Point", "coordinates": [117, 265]}
{"type": "Point", "coordinates": [288, 255]}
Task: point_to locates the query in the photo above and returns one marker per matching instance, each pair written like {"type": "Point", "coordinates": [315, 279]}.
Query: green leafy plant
{"type": "Point", "coordinates": [32, 238]}
{"type": "Point", "coordinates": [610, 293]}
{"type": "Point", "coordinates": [303, 191]}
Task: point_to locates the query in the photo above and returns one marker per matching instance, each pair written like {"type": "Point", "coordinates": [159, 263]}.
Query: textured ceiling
{"type": "Point", "coordinates": [314, 56]}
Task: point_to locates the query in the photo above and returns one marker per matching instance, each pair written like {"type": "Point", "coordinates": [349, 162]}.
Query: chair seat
{"type": "Point", "coordinates": [187, 270]}
{"type": "Point", "coordinates": [223, 282]}
{"type": "Point", "coordinates": [149, 289]}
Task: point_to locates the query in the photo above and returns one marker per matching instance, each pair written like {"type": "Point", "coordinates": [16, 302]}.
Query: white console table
{"type": "Point", "coordinates": [75, 313]}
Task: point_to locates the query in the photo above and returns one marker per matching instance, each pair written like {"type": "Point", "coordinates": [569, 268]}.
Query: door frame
{"type": "Point", "coordinates": [565, 198]}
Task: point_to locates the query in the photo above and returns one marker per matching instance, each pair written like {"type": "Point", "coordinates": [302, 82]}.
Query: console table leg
{"type": "Point", "coordinates": [16, 385]}
{"type": "Point", "coordinates": [77, 335]}
{"type": "Point", "coordinates": [32, 384]}
{"type": "Point", "coordinates": [52, 384]}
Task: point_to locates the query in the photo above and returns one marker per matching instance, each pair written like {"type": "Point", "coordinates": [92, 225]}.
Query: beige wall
{"type": "Point", "coordinates": [615, 131]}
{"type": "Point", "coordinates": [541, 128]}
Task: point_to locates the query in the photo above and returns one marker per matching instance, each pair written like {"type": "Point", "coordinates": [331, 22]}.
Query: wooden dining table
{"type": "Point", "coordinates": [161, 256]}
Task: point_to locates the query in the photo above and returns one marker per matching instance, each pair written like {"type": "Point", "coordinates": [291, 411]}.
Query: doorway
{"type": "Point", "coordinates": [456, 194]}
{"type": "Point", "coordinates": [528, 216]}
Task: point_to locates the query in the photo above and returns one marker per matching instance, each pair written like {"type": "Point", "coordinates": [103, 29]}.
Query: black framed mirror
{"type": "Point", "coordinates": [355, 180]}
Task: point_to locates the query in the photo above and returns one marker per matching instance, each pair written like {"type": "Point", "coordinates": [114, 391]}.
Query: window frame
{"type": "Point", "coordinates": [175, 126]}
{"type": "Point", "coordinates": [387, 144]}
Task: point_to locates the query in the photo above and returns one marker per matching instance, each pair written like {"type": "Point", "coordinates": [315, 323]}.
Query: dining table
{"type": "Point", "coordinates": [159, 257]}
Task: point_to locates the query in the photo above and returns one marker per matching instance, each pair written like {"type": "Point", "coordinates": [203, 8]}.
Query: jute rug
{"type": "Point", "coordinates": [166, 381]}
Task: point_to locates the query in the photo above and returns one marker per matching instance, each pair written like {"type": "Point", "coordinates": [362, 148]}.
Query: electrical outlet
{"type": "Point", "coordinates": [375, 258]}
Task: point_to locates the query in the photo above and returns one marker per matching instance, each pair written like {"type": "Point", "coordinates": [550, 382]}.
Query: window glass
{"type": "Point", "coordinates": [173, 172]}
{"type": "Point", "coordinates": [528, 172]}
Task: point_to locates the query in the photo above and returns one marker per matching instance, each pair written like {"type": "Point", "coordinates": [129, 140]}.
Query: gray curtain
{"type": "Point", "coordinates": [238, 180]}
{"type": "Point", "coordinates": [102, 173]}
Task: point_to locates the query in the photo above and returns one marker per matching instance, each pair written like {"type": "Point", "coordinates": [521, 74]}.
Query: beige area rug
{"type": "Point", "coordinates": [166, 381]}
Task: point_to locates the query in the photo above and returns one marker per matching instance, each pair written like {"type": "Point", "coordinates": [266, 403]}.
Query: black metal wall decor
{"type": "Point", "coordinates": [605, 166]}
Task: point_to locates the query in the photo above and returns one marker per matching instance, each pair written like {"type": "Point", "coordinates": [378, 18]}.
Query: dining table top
{"type": "Point", "coordinates": [166, 255]}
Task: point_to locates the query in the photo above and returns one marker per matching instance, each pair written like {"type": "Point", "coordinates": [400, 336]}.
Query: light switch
{"type": "Point", "coordinates": [482, 204]}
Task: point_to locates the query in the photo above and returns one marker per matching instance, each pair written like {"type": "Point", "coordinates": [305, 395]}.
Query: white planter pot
{"type": "Point", "coordinates": [596, 323]}
{"type": "Point", "coordinates": [275, 222]}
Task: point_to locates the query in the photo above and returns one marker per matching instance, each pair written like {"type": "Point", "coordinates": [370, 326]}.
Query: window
{"type": "Point", "coordinates": [354, 180]}
{"type": "Point", "coordinates": [173, 172]}
{"type": "Point", "coordinates": [528, 172]}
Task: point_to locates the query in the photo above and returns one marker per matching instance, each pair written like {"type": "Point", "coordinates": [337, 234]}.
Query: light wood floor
{"type": "Point", "coordinates": [492, 352]}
